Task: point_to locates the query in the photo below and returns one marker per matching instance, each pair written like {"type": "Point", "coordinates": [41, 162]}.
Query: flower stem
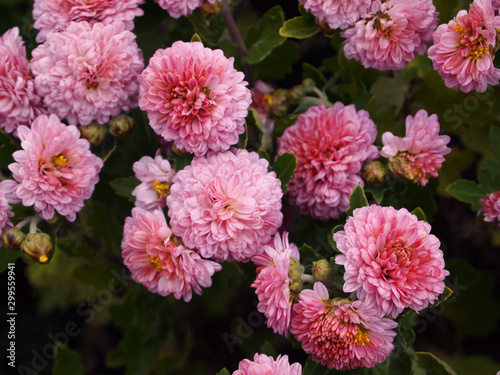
{"type": "Point", "coordinates": [33, 224]}
{"type": "Point", "coordinates": [307, 279]}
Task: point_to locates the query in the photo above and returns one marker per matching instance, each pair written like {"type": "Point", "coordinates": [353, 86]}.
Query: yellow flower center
{"type": "Point", "coordinates": [43, 259]}
{"type": "Point", "coordinates": [161, 188]}
{"type": "Point", "coordinates": [476, 46]}
{"type": "Point", "coordinates": [157, 263]}
{"type": "Point", "coordinates": [59, 161]}
{"type": "Point", "coordinates": [361, 336]}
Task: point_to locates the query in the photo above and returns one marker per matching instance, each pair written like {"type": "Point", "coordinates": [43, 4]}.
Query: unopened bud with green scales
{"type": "Point", "coordinates": [93, 132]}
{"type": "Point", "coordinates": [13, 238]}
{"type": "Point", "coordinates": [38, 247]}
{"type": "Point", "coordinates": [121, 126]}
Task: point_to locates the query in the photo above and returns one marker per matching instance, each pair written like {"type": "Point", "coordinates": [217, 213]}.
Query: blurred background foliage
{"type": "Point", "coordinates": [85, 298]}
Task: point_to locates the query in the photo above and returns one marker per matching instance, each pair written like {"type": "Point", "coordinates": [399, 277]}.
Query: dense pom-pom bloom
{"type": "Point", "coordinates": [464, 49]}
{"type": "Point", "coordinates": [20, 102]}
{"type": "Point", "coordinates": [55, 15]}
{"type": "Point", "coordinates": [338, 333]}
{"type": "Point", "coordinates": [7, 197]}
{"type": "Point", "coordinates": [194, 97]}
{"type": "Point", "coordinates": [392, 33]}
{"type": "Point", "coordinates": [159, 260]}
{"type": "Point", "coordinates": [88, 72]}
{"type": "Point", "coordinates": [391, 260]}
{"type": "Point", "coordinates": [179, 8]}
{"type": "Point", "coordinates": [420, 154]}
{"type": "Point", "coordinates": [273, 284]}
{"type": "Point", "coordinates": [331, 145]}
{"type": "Point", "coordinates": [491, 206]}
{"type": "Point", "coordinates": [55, 169]}
{"type": "Point", "coordinates": [156, 178]}
{"type": "Point", "coordinates": [226, 205]}
{"type": "Point", "coordinates": [337, 13]}
{"type": "Point", "coordinates": [266, 365]}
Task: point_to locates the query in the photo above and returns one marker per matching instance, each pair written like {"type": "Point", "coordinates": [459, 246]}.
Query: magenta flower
{"type": "Point", "coordinates": [331, 145]}
{"type": "Point", "coordinates": [7, 197]}
{"type": "Point", "coordinates": [55, 169]}
{"type": "Point", "coordinates": [198, 101]}
{"type": "Point", "coordinates": [391, 260]}
{"type": "Point", "coordinates": [273, 284]}
{"type": "Point", "coordinates": [20, 102]}
{"type": "Point", "coordinates": [55, 15]}
{"type": "Point", "coordinates": [464, 49]}
{"type": "Point", "coordinates": [339, 333]}
{"type": "Point", "coordinates": [156, 177]}
{"type": "Point", "coordinates": [226, 205]}
{"type": "Point", "coordinates": [88, 72]}
{"type": "Point", "coordinates": [266, 365]}
{"type": "Point", "coordinates": [420, 154]}
{"type": "Point", "coordinates": [178, 8]}
{"type": "Point", "coordinates": [392, 34]}
{"type": "Point", "coordinates": [337, 13]}
{"type": "Point", "coordinates": [491, 206]}
{"type": "Point", "coordinates": [159, 261]}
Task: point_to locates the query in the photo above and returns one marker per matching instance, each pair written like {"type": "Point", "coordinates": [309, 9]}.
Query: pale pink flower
{"type": "Point", "coordinates": [194, 97]}
{"type": "Point", "coordinates": [391, 260]}
{"type": "Point", "coordinates": [55, 15]}
{"type": "Point", "coordinates": [331, 145]}
{"type": "Point", "coordinates": [392, 33]}
{"type": "Point", "coordinates": [7, 197]}
{"type": "Point", "coordinates": [266, 365]}
{"type": "Point", "coordinates": [491, 206]}
{"type": "Point", "coordinates": [273, 284]}
{"type": "Point", "coordinates": [495, 4]}
{"type": "Point", "coordinates": [226, 205]}
{"type": "Point", "coordinates": [20, 102]}
{"type": "Point", "coordinates": [159, 260]}
{"type": "Point", "coordinates": [156, 177]}
{"type": "Point", "coordinates": [55, 169]}
{"type": "Point", "coordinates": [339, 333]}
{"type": "Point", "coordinates": [464, 49]}
{"type": "Point", "coordinates": [420, 154]}
{"type": "Point", "coordinates": [337, 13]}
{"type": "Point", "coordinates": [88, 72]}
{"type": "Point", "coordinates": [262, 101]}
{"type": "Point", "coordinates": [178, 8]}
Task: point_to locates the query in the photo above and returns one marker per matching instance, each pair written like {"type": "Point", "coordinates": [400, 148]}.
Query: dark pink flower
{"type": "Point", "coordinates": [194, 97]}
{"type": "Point", "coordinates": [339, 333]}
{"type": "Point", "coordinates": [266, 365]}
{"type": "Point", "coordinates": [331, 145]}
{"type": "Point", "coordinates": [337, 13]}
{"type": "Point", "coordinates": [391, 260]}
{"type": "Point", "coordinates": [491, 206]}
{"type": "Point", "coordinates": [7, 197]}
{"type": "Point", "coordinates": [178, 8]}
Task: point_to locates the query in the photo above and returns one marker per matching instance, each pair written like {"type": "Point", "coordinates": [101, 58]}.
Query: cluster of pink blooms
{"type": "Point", "coordinates": [55, 169]}
{"type": "Point", "coordinates": [7, 197]}
{"type": "Point", "coordinates": [464, 48]}
{"type": "Point", "coordinates": [392, 33]}
{"type": "Point", "coordinates": [491, 206]}
{"type": "Point", "coordinates": [88, 72]}
{"type": "Point", "coordinates": [55, 15]}
{"type": "Point", "coordinates": [156, 178]}
{"type": "Point", "coordinates": [159, 260]}
{"type": "Point", "coordinates": [331, 145]}
{"type": "Point", "coordinates": [266, 365]}
{"type": "Point", "coordinates": [178, 8]}
{"type": "Point", "coordinates": [226, 205]}
{"type": "Point", "coordinates": [420, 154]}
{"type": "Point", "coordinates": [337, 13]}
{"type": "Point", "coordinates": [194, 97]}
{"type": "Point", "coordinates": [20, 102]}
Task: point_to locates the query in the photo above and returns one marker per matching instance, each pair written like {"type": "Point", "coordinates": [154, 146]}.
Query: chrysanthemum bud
{"type": "Point", "coordinates": [295, 275]}
{"type": "Point", "coordinates": [374, 172]}
{"type": "Point", "coordinates": [208, 10]}
{"type": "Point", "coordinates": [121, 126]}
{"type": "Point", "coordinates": [93, 132]}
{"type": "Point", "coordinates": [324, 27]}
{"type": "Point", "coordinates": [296, 93]}
{"type": "Point", "coordinates": [12, 238]}
{"type": "Point", "coordinates": [38, 247]}
{"type": "Point", "coordinates": [400, 166]}
{"type": "Point", "coordinates": [180, 152]}
{"type": "Point", "coordinates": [322, 271]}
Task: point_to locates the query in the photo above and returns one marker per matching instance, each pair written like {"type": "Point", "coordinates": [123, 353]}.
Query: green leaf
{"type": "Point", "coordinates": [419, 214]}
{"type": "Point", "coordinates": [8, 256]}
{"type": "Point", "coordinates": [180, 161]}
{"type": "Point", "coordinates": [223, 372]}
{"type": "Point", "coordinates": [123, 187]}
{"type": "Point", "coordinates": [263, 38]}
{"type": "Point", "coordinates": [311, 72]}
{"type": "Point", "coordinates": [495, 141]}
{"type": "Point", "coordinates": [279, 63]}
{"type": "Point", "coordinates": [489, 179]}
{"type": "Point", "coordinates": [243, 139]}
{"type": "Point", "coordinates": [357, 200]}
{"type": "Point", "coordinates": [443, 297]}
{"type": "Point", "coordinates": [285, 166]}
{"type": "Point", "coordinates": [196, 38]}
{"type": "Point", "coordinates": [432, 364]}
{"type": "Point", "coordinates": [331, 241]}
{"type": "Point", "coordinates": [299, 27]}
{"type": "Point", "coordinates": [203, 29]}
{"type": "Point", "coordinates": [377, 192]}
{"type": "Point", "coordinates": [68, 361]}
{"type": "Point", "coordinates": [254, 121]}
{"type": "Point", "coordinates": [467, 191]}
{"type": "Point", "coordinates": [308, 254]}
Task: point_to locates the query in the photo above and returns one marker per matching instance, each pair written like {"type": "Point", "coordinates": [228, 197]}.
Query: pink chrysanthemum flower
{"type": "Point", "coordinates": [88, 72]}
{"type": "Point", "coordinates": [55, 15]}
{"type": "Point", "coordinates": [55, 169]}
{"type": "Point", "coordinates": [266, 365]}
{"type": "Point", "coordinates": [159, 260]}
{"type": "Point", "coordinates": [178, 8]}
{"type": "Point", "coordinates": [331, 145]}
{"type": "Point", "coordinates": [20, 102]}
{"type": "Point", "coordinates": [226, 205]}
{"type": "Point", "coordinates": [491, 206]}
{"type": "Point", "coordinates": [392, 33]}
{"type": "Point", "coordinates": [194, 97]}
{"type": "Point", "coordinates": [464, 49]}
{"type": "Point", "coordinates": [420, 154]}
{"type": "Point", "coordinates": [338, 333]}
{"type": "Point", "coordinates": [7, 197]}
{"type": "Point", "coordinates": [391, 260]}
{"type": "Point", "coordinates": [156, 177]}
{"type": "Point", "coordinates": [262, 101]}
{"type": "Point", "coordinates": [337, 13]}
{"type": "Point", "coordinates": [273, 284]}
